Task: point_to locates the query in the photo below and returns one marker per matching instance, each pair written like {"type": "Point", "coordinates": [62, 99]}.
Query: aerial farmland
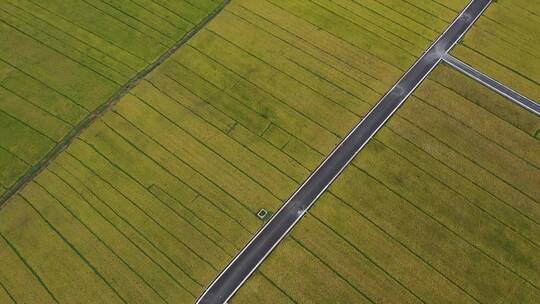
{"type": "Point", "coordinates": [453, 212]}
{"type": "Point", "coordinates": [201, 151]}
{"type": "Point", "coordinates": [61, 61]}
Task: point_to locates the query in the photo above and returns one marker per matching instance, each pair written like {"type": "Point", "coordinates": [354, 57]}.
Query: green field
{"type": "Point", "coordinates": [443, 206]}
{"type": "Point", "coordinates": [505, 45]}
{"type": "Point", "coordinates": [440, 207]}
{"type": "Point", "coordinates": [153, 199]}
{"type": "Point", "coordinates": [59, 62]}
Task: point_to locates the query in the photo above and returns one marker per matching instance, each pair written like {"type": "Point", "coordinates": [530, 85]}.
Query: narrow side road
{"type": "Point", "coordinates": [245, 263]}
{"type": "Point", "coordinates": [493, 84]}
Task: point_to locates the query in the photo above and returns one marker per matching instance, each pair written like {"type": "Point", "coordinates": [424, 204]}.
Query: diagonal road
{"type": "Point", "coordinates": [260, 246]}
{"type": "Point", "coordinates": [493, 84]}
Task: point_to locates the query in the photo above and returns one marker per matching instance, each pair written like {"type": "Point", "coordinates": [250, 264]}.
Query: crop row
{"type": "Point", "coordinates": [165, 187]}
{"type": "Point", "coordinates": [504, 45]}
{"type": "Point", "coordinates": [61, 61]}
{"type": "Point", "coordinates": [275, 134]}
{"type": "Point", "coordinates": [431, 210]}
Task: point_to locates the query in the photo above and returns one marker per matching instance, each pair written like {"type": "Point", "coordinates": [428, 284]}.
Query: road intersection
{"type": "Point", "coordinates": [262, 244]}
{"type": "Point", "coordinates": [493, 84]}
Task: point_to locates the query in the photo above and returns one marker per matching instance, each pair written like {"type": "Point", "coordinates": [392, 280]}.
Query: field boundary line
{"type": "Point", "coordinates": [493, 84]}
{"type": "Point", "coordinates": [63, 179]}
{"type": "Point", "coordinates": [99, 111]}
{"type": "Point", "coordinates": [220, 290]}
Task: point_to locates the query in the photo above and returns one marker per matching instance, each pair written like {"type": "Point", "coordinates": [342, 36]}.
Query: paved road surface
{"type": "Point", "coordinates": [493, 84]}
{"type": "Point", "coordinates": [228, 282]}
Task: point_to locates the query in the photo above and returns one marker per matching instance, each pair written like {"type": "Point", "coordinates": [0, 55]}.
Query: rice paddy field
{"type": "Point", "coordinates": [505, 45]}
{"type": "Point", "coordinates": [441, 207]}
{"type": "Point", "coordinates": [152, 200]}
{"type": "Point", "coordinates": [62, 60]}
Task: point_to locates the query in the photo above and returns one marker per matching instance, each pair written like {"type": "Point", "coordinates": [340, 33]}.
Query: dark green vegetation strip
{"type": "Point", "coordinates": [95, 114]}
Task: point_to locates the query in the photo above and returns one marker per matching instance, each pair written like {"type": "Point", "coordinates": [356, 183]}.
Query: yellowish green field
{"type": "Point", "coordinates": [441, 207]}
{"type": "Point", "coordinates": [505, 45]}
{"type": "Point", "coordinates": [153, 200]}
{"type": "Point", "coordinates": [61, 60]}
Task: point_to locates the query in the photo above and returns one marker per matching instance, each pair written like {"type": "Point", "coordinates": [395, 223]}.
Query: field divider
{"type": "Point", "coordinates": [359, 97]}
{"type": "Point", "coordinates": [376, 32]}
{"type": "Point", "coordinates": [401, 243]}
{"type": "Point", "coordinates": [157, 15]}
{"type": "Point", "coordinates": [59, 118]}
{"type": "Point", "coordinates": [29, 267]}
{"type": "Point", "coordinates": [498, 62]}
{"type": "Point", "coordinates": [203, 144]}
{"type": "Point", "coordinates": [14, 156]}
{"type": "Point", "coordinates": [139, 183]}
{"type": "Point", "coordinates": [461, 175]}
{"type": "Point", "coordinates": [192, 213]}
{"type": "Point", "coordinates": [478, 247]}
{"type": "Point", "coordinates": [493, 84]}
{"type": "Point", "coordinates": [278, 287]}
{"type": "Point", "coordinates": [73, 213]}
{"type": "Point", "coordinates": [139, 21]}
{"type": "Point", "coordinates": [146, 214]}
{"type": "Point", "coordinates": [475, 131]}
{"type": "Point", "coordinates": [16, 68]}
{"type": "Point", "coordinates": [85, 29]}
{"type": "Point", "coordinates": [246, 229]}
{"type": "Point", "coordinates": [476, 163]}
{"type": "Point", "coordinates": [483, 108]}
{"type": "Point", "coordinates": [354, 46]}
{"type": "Point", "coordinates": [258, 86]}
{"type": "Point", "coordinates": [10, 296]}
{"type": "Point", "coordinates": [73, 248]}
{"type": "Point", "coordinates": [158, 220]}
{"type": "Point", "coordinates": [27, 125]}
{"type": "Point", "coordinates": [299, 38]}
{"type": "Point", "coordinates": [280, 225]}
{"type": "Point", "coordinates": [98, 112]}
{"type": "Point", "coordinates": [143, 33]}
{"type": "Point", "coordinates": [327, 265]}
{"type": "Point", "coordinates": [286, 106]}
{"type": "Point", "coordinates": [398, 13]}
{"type": "Point", "coordinates": [226, 133]}
{"type": "Point", "coordinates": [365, 255]}
{"type": "Point", "coordinates": [454, 190]}
{"type": "Point", "coordinates": [126, 237]}
{"type": "Point", "coordinates": [57, 30]}
{"type": "Point", "coordinates": [132, 227]}
{"type": "Point", "coordinates": [48, 45]}
{"type": "Point", "coordinates": [190, 166]}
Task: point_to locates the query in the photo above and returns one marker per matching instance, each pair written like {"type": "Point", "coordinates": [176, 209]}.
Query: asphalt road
{"type": "Point", "coordinates": [245, 263]}
{"type": "Point", "coordinates": [493, 84]}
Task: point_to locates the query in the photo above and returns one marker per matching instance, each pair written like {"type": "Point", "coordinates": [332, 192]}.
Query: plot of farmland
{"type": "Point", "coordinates": [60, 60]}
{"type": "Point", "coordinates": [505, 45]}
{"type": "Point", "coordinates": [441, 207]}
{"type": "Point", "coordinates": [153, 200]}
